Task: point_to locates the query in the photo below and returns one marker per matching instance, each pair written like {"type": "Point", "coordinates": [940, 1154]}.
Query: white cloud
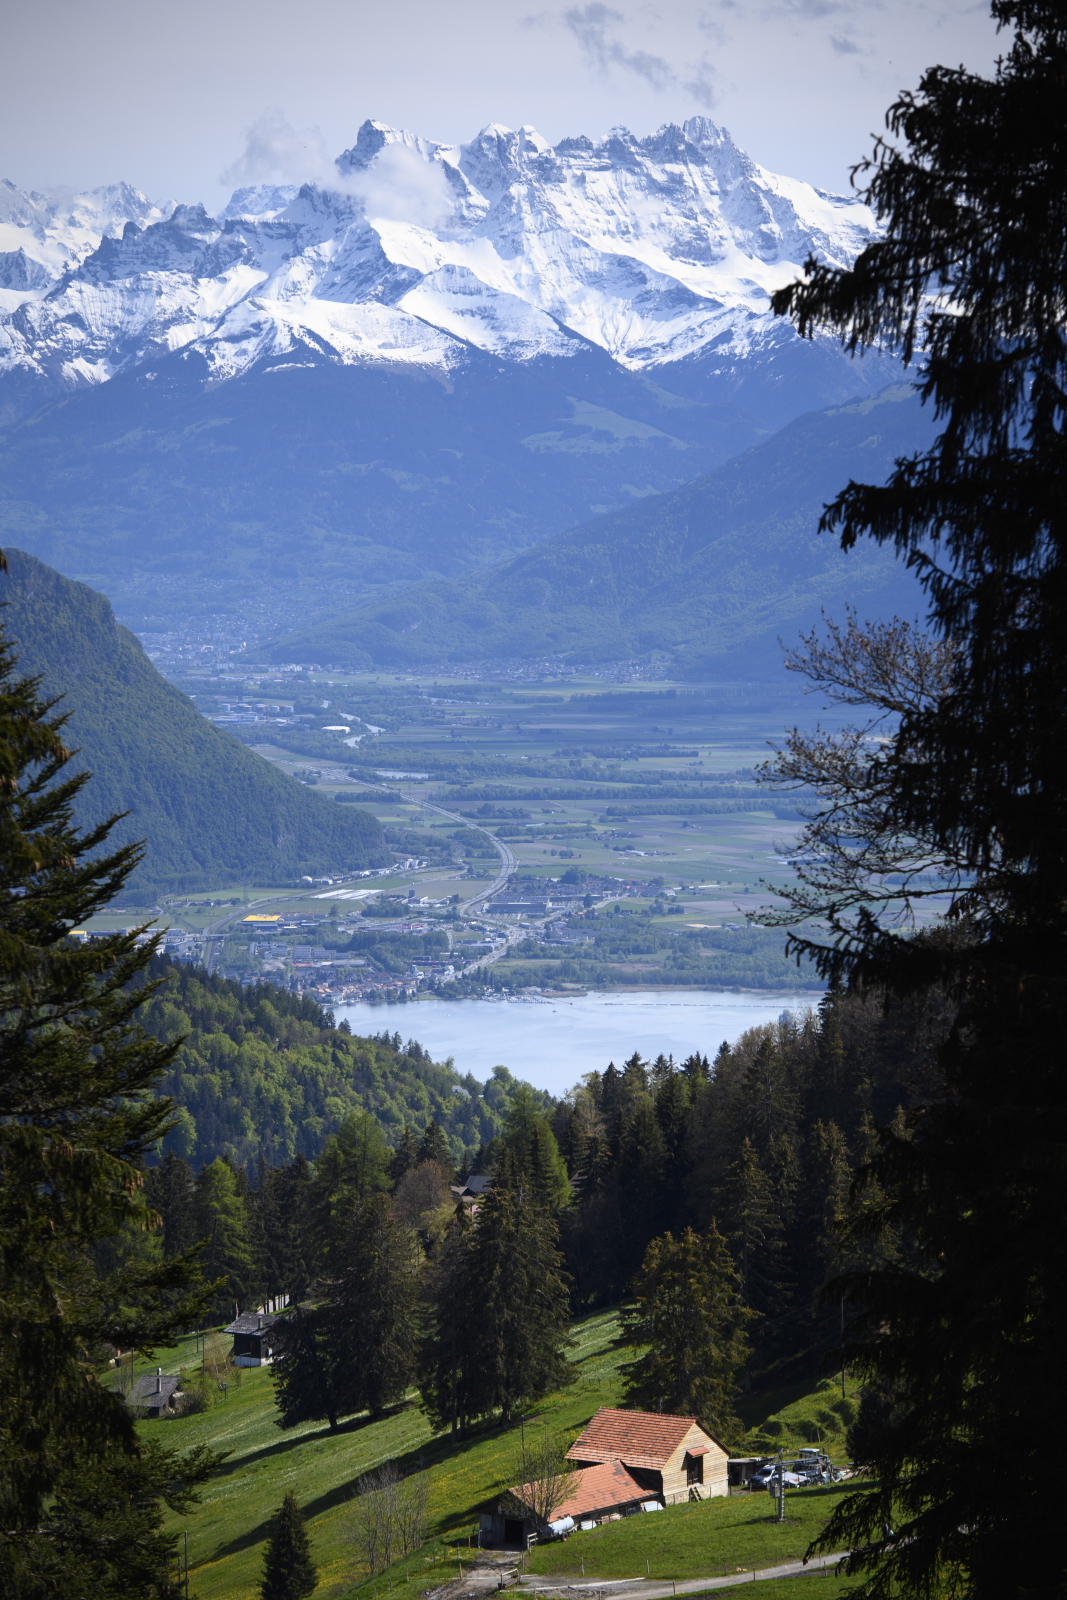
{"type": "Point", "coordinates": [275, 152]}
{"type": "Point", "coordinates": [399, 185]}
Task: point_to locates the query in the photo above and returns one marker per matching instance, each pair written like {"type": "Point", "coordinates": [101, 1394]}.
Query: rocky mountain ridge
{"type": "Point", "coordinates": [659, 251]}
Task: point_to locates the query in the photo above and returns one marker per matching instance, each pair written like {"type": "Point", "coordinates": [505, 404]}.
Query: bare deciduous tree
{"type": "Point", "coordinates": [544, 1476]}
{"type": "Point", "coordinates": [387, 1519]}
{"type": "Point", "coordinates": [859, 870]}
{"type": "Point", "coordinates": [423, 1198]}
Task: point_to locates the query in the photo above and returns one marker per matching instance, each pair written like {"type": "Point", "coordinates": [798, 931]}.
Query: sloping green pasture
{"type": "Point", "coordinates": [228, 1530]}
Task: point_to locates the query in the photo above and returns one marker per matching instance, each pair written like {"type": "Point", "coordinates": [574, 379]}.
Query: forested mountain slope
{"type": "Point", "coordinates": [712, 572]}
{"type": "Point", "coordinates": [265, 1074]}
{"type": "Point", "coordinates": [212, 811]}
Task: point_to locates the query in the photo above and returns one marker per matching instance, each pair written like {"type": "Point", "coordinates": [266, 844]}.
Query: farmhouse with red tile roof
{"type": "Point", "coordinates": [626, 1461]}
{"type": "Point", "coordinates": [671, 1456]}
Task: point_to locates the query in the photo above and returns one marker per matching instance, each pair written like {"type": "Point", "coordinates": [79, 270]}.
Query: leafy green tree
{"type": "Point", "coordinates": [517, 1283]}
{"type": "Point", "coordinates": [353, 1165]}
{"type": "Point", "coordinates": [224, 1223]}
{"type": "Point", "coordinates": [969, 274]}
{"type": "Point", "coordinates": [689, 1314]}
{"type": "Point", "coordinates": [528, 1135]}
{"type": "Point", "coordinates": [289, 1573]}
{"type": "Point", "coordinates": [78, 1115]}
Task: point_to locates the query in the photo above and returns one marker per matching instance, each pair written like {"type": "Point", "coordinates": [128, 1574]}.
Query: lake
{"type": "Point", "coordinates": [552, 1043]}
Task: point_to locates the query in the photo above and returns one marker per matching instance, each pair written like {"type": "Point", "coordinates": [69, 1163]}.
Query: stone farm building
{"type": "Point", "coordinates": [627, 1461]}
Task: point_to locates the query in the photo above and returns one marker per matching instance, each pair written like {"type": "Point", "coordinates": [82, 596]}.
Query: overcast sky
{"type": "Point", "coordinates": [165, 95]}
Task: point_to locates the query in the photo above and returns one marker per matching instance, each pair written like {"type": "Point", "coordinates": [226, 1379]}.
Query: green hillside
{"type": "Point", "coordinates": [211, 810]}
{"type": "Point", "coordinates": [227, 1532]}
{"type": "Point", "coordinates": [263, 1074]}
{"type": "Point", "coordinates": [712, 572]}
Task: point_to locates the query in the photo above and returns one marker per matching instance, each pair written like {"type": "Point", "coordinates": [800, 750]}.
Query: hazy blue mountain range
{"type": "Point", "coordinates": [212, 811]}
{"type": "Point", "coordinates": [320, 394]}
{"type": "Point", "coordinates": [712, 572]}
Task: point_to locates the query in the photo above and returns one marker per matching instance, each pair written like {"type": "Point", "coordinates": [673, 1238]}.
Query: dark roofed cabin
{"type": "Point", "coordinates": [253, 1339]}
{"type": "Point", "coordinates": [154, 1394]}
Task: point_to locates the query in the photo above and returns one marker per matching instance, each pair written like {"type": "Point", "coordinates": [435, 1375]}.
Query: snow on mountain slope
{"type": "Point", "coordinates": [41, 238]}
{"type": "Point", "coordinates": [656, 250]}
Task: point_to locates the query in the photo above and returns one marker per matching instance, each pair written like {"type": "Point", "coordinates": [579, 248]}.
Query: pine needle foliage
{"type": "Point", "coordinates": [970, 279]}
{"type": "Point", "coordinates": [78, 1115]}
{"type": "Point", "coordinates": [690, 1316]}
{"type": "Point", "coordinates": [289, 1573]}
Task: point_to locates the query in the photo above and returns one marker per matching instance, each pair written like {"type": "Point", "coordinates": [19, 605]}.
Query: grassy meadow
{"type": "Point", "coordinates": [227, 1532]}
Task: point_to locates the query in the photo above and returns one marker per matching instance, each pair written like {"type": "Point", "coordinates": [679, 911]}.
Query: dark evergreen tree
{"type": "Point", "coordinates": [371, 1309]}
{"type": "Point", "coordinates": [697, 1067]}
{"type": "Point", "coordinates": [281, 1220]}
{"type": "Point", "coordinates": [169, 1190]}
{"type": "Point", "coordinates": [103, 1535]}
{"type": "Point", "coordinates": [966, 1337]}
{"type": "Point", "coordinates": [673, 1105]}
{"type": "Point", "coordinates": [445, 1376]}
{"type": "Point", "coordinates": [78, 1115]}
{"type": "Point", "coordinates": [517, 1283]}
{"type": "Point", "coordinates": [640, 1171]}
{"type": "Point", "coordinates": [289, 1573]}
{"type": "Point", "coordinates": [610, 1104]}
{"type": "Point", "coordinates": [753, 1226]}
{"type": "Point", "coordinates": [305, 1383]}
{"type": "Point", "coordinates": [433, 1146]}
{"type": "Point", "coordinates": [406, 1154]}
{"type": "Point", "coordinates": [689, 1315]}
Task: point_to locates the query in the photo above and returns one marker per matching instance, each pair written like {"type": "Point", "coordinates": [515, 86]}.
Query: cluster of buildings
{"type": "Point", "coordinates": [625, 1462]}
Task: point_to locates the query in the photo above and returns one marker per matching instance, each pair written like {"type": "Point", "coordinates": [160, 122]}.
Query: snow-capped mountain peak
{"type": "Point", "coordinates": [654, 249]}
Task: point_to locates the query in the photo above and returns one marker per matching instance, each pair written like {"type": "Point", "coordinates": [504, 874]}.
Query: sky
{"type": "Point", "coordinates": [185, 100]}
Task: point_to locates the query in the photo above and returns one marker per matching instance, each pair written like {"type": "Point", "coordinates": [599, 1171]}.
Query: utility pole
{"type": "Point", "coordinates": [186, 1531]}
{"type": "Point", "coordinates": [781, 1487]}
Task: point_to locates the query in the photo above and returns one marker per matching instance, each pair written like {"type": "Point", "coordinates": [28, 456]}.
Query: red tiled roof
{"type": "Point", "coordinates": [640, 1438]}
{"type": "Point", "coordinates": [598, 1488]}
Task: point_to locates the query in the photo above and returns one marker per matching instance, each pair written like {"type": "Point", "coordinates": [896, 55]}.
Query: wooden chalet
{"type": "Point", "coordinates": [672, 1456]}
{"type": "Point", "coordinates": [155, 1394]}
{"type": "Point", "coordinates": [253, 1338]}
{"type": "Point", "coordinates": [626, 1462]}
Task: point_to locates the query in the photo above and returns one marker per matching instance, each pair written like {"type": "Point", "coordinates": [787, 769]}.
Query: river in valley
{"type": "Point", "coordinates": [553, 1042]}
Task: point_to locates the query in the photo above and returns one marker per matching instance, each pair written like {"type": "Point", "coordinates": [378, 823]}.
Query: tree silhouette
{"type": "Point", "coordinates": [288, 1570]}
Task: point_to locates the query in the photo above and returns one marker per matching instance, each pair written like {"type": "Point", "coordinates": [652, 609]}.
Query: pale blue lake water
{"type": "Point", "coordinates": [553, 1043]}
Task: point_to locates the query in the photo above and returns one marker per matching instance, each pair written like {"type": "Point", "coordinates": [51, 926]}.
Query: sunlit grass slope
{"type": "Point", "coordinates": [227, 1532]}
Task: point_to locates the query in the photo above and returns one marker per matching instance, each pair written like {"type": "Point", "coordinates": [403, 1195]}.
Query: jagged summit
{"type": "Point", "coordinates": [656, 250]}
